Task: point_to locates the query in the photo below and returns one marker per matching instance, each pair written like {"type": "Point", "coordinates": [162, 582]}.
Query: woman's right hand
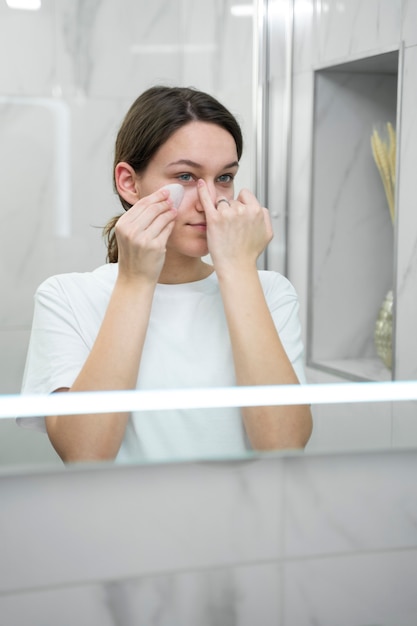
{"type": "Point", "coordinates": [142, 234]}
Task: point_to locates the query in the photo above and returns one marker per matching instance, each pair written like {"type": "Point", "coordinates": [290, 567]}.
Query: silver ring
{"type": "Point", "coordinates": [222, 200]}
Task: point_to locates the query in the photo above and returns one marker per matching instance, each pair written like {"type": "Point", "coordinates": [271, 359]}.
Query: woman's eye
{"type": "Point", "coordinates": [185, 177]}
{"type": "Point", "coordinates": [225, 178]}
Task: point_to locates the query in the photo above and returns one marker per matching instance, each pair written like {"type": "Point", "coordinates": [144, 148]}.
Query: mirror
{"type": "Point", "coordinates": [62, 98]}
{"type": "Point", "coordinates": [360, 416]}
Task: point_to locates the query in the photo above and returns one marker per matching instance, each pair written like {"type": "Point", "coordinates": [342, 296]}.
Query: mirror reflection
{"type": "Point", "coordinates": [158, 315]}
{"type": "Point", "coordinates": [59, 119]}
{"type": "Point", "coordinates": [347, 417]}
{"type": "Point", "coordinates": [64, 114]}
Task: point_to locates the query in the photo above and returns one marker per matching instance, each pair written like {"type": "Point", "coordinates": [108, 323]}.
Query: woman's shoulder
{"type": "Point", "coordinates": [100, 278]}
{"type": "Point", "coordinates": [273, 282]}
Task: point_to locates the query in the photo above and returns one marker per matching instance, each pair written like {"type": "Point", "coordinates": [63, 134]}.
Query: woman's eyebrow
{"type": "Point", "coordinates": [198, 165]}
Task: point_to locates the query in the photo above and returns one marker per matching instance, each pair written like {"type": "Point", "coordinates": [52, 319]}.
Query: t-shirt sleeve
{"type": "Point", "coordinates": [283, 304]}
{"type": "Point", "coordinates": [57, 349]}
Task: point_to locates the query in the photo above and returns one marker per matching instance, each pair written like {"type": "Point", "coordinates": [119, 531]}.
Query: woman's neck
{"type": "Point", "coordinates": [185, 270]}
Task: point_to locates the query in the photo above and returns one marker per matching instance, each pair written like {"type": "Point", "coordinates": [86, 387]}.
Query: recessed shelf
{"type": "Point", "coordinates": [352, 237]}
{"type": "Point", "coordinates": [365, 369]}
{"type": "Point", "coordinates": [386, 63]}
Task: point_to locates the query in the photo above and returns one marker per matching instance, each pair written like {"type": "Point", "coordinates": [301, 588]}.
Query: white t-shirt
{"type": "Point", "coordinates": [187, 346]}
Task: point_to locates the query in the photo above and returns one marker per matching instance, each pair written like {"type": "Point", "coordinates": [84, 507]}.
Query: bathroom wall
{"type": "Point", "coordinates": [68, 73]}
{"type": "Point", "coordinates": [324, 540]}
{"type": "Point", "coordinates": [329, 33]}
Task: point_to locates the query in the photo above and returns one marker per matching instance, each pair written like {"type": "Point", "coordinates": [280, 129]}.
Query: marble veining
{"type": "Point", "coordinates": [327, 33]}
{"type": "Point", "coordinates": [409, 22]}
{"type": "Point", "coordinates": [406, 307]}
{"type": "Point", "coordinates": [348, 543]}
{"type": "Point", "coordinates": [352, 245]}
{"type": "Point", "coordinates": [78, 40]}
{"type": "Point", "coordinates": [85, 56]}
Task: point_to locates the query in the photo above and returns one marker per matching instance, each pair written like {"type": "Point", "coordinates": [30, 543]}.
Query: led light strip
{"type": "Point", "coordinates": [156, 400]}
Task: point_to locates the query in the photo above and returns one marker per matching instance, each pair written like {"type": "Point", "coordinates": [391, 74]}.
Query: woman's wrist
{"type": "Point", "coordinates": [230, 272]}
{"type": "Point", "coordinates": [134, 283]}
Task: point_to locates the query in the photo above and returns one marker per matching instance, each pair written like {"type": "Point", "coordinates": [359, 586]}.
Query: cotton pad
{"type": "Point", "coordinates": [176, 191]}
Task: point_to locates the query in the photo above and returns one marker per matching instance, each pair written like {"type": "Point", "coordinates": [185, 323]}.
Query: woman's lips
{"type": "Point", "coordinates": [199, 226]}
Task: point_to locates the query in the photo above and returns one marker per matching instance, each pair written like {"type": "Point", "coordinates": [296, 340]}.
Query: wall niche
{"type": "Point", "coordinates": [352, 264]}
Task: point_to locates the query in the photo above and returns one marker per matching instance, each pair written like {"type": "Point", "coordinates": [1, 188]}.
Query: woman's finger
{"type": "Point", "coordinates": [160, 197]}
{"type": "Point", "coordinates": [205, 198]}
{"type": "Point", "coordinates": [147, 209]}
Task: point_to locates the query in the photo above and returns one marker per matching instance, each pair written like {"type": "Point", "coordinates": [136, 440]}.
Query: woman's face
{"type": "Point", "coordinates": [197, 150]}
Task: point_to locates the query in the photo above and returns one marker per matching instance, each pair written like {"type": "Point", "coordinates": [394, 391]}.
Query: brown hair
{"type": "Point", "coordinates": [151, 120]}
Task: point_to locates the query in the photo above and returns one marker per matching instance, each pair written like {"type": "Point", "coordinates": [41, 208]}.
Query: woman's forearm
{"type": "Point", "coordinates": [260, 359]}
{"type": "Point", "coordinates": [113, 364]}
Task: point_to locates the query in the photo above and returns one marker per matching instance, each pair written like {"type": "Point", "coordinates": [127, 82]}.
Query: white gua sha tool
{"type": "Point", "coordinates": [176, 191]}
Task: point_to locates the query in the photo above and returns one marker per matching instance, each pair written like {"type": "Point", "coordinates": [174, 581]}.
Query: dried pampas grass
{"type": "Point", "coordinates": [384, 153]}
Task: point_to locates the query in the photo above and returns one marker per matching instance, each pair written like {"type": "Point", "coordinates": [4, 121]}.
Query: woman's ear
{"type": "Point", "coordinates": [126, 182]}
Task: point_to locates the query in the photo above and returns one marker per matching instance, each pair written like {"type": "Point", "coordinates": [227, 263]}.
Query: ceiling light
{"type": "Point", "coordinates": [26, 5]}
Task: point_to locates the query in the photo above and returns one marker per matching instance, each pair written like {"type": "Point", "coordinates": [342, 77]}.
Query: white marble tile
{"type": "Point", "coordinates": [352, 236]}
{"type": "Point", "coordinates": [27, 50]}
{"type": "Point", "coordinates": [238, 101]}
{"type": "Point", "coordinates": [113, 523]}
{"type": "Point", "coordinates": [62, 167]}
{"type": "Point", "coordinates": [235, 51]}
{"type": "Point", "coordinates": [208, 551]}
{"type": "Point", "coordinates": [230, 596]}
{"type": "Point", "coordinates": [330, 31]}
{"type": "Point", "coordinates": [106, 52]}
{"type": "Point", "coordinates": [277, 161]}
{"type": "Point", "coordinates": [89, 61]}
{"type": "Point", "coordinates": [109, 51]}
{"type": "Point", "coordinates": [406, 287]}
{"type": "Point", "coordinates": [326, 33]}
{"type": "Point", "coordinates": [364, 504]}
{"type": "Point", "coordinates": [276, 168]}
{"type": "Point", "coordinates": [232, 81]}
{"type": "Point", "coordinates": [409, 22]}
{"type": "Point", "coordinates": [190, 43]}
{"type": "Point", "coordinates": [28, 196]}
{"type": "Point", "coordinates": [214, 597]}
{"type": "Point", "coordinates": [201, 31]}
{"type": "Point", "coordinates": [299, 192]}
{"type": "Point", "coordinates": [94, 125]}
{"type": "Point", "coordinates": [349, 28]}
{"type": "Point", "coordinates": [358, 590]}
{"type": "Point", "coordinates": [304, 35]}
{"type": "Point", "coordinates": [404, 425]}
{"type": "Point", "coordinates": [351, 427]}
{"type": "Point", "coordinates": [280, 37]}
{"type": "Point", "coordinates": [84, 606]}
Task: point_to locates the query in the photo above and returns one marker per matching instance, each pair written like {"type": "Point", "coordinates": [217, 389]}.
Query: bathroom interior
{"type": "Point", "coordinates": [326, 536]}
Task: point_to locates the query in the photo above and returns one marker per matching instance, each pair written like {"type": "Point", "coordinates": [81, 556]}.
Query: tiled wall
{"type": "Point", "coordinates": [328, 33]}
{"type": "Point", "coordinates": [68, 73]}
{"type": "Point", "coordinates": [67, 76]}
{"type": "Point", "coordinates": [287, 541]}
{"type": "Point", "coordinates": [291, 541]}
{"type": "Point", "coordinates": [325, 33]}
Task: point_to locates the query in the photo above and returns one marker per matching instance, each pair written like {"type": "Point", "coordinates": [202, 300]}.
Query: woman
{"type": "Point", "coordinates": [158, 315]}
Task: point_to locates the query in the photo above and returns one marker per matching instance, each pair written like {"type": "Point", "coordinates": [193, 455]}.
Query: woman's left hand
{"type": "Point", "coordinates": [238, 231]}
